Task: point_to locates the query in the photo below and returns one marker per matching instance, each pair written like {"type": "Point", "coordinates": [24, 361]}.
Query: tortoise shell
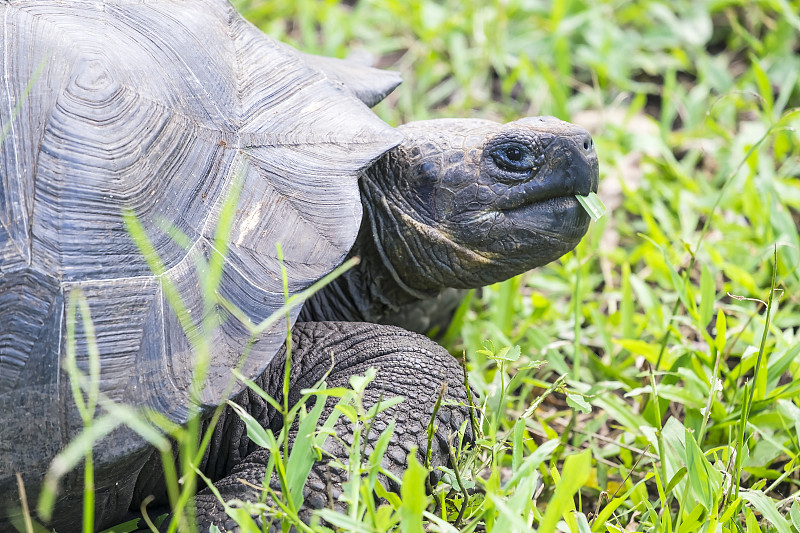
{"type": "Point", "coordinates": [159, 107]}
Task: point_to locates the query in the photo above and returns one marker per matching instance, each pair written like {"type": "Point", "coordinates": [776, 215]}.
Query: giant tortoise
{"type": "Point", "coordinates": [158, 107]}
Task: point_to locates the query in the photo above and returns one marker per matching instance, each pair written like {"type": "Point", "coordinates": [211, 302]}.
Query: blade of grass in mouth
{"type": "Point", "coordinates": [593, 205]}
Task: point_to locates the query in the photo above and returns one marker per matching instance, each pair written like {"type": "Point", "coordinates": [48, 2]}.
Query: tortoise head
{"type": "Point", "coordinates": [465, 203]}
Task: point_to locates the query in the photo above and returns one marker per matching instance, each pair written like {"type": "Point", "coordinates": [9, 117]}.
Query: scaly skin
{"type": "Point", "coordinates": [407, 364]}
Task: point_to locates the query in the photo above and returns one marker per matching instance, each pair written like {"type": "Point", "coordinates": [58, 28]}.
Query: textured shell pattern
{"type": "Point", "coordinates": [156, 106]}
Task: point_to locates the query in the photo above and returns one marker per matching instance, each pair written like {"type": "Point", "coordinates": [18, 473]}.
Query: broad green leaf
{"type": "Point", "coordinates": [577, 469]}
{"type": "Point", "coordinates": [692, 522]}
{"type": "Point", "coordinates": [377, 454]}
{"type": "Point", "coordinates": [577, 401]}
{"type": "Point", "coordinates": [705, 480]}
{"type": "Point", "coordinates": [412, 496]}
{"type": "Point", "coordinates": [639, 347]}
{"type": "Point", "coordinates": [733, 508]}
{"type": "Point", "coordinates": [300, 457]}
{"type": "Point", "coordinates": [359, 382]}
{"type": "Point", "coordinates": [391, 497]}
{"type": "Point", "coordinates": [763, 82]}
{"type": "Point", "coordinates": [508, 353]}
{"type": "Point", "coordinates": [768, 508]}
{"type": "Point", "coordinates": [752, 522]}
{"type": "Point", "coordinates": [243, 519]}
{"type": "Point", "coordinates": [349, 411]}
{"type": "Point", "coordinates": [255, 431]}
{"type": "Point", "coordinates": [676, 478]}
{"type": "Point", "coordinates": [719, 339]}
{"type": "Point", "coordinates": [794, 514]}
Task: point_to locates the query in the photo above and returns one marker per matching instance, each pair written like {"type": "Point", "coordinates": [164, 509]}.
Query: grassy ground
{"type": "Point", "coordinates": [676, 322]}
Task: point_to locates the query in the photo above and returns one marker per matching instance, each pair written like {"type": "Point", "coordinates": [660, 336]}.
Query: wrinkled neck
{"type": "Point", "coordinates": [403, 276]}
{"type": "Point", "coordinates": [368, 292]}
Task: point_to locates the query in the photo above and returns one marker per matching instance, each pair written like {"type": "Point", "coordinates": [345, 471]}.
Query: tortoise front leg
{"type": "Point", "coordinates": [407, 364]}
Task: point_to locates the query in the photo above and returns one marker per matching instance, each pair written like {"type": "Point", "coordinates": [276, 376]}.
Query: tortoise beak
{"type": "Point", "coordinates": [568, 166]}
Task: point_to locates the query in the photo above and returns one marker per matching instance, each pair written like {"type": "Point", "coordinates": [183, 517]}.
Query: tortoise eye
{"type": "Point", "coordinates": [513, 157]}
{"type": "Point", "coordinates": [514, 154]}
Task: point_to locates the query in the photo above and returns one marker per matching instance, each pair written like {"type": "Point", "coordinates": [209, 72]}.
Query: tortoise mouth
{"type": "Point", "coordinates": [562, 218]}
{"type": "Point", "coordinates": [549, 204]}
{"type": "Point", "coordinates": [546, 197]}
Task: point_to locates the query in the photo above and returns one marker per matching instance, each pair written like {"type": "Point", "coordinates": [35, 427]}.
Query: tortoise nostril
{"type": "Point", "coordinates": [588, 144]}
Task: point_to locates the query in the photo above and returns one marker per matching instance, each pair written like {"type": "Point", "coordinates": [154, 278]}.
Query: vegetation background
{"type": "Point", "coordinates": [649, 380]}
{"type": "Point", "coordinates": [676, 322]}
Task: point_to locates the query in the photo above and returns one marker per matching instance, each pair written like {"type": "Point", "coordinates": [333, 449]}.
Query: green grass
{"type": "Point", "coordinates": [659, 319]}
{"type": "Point", "coordinates": [670, 397]}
